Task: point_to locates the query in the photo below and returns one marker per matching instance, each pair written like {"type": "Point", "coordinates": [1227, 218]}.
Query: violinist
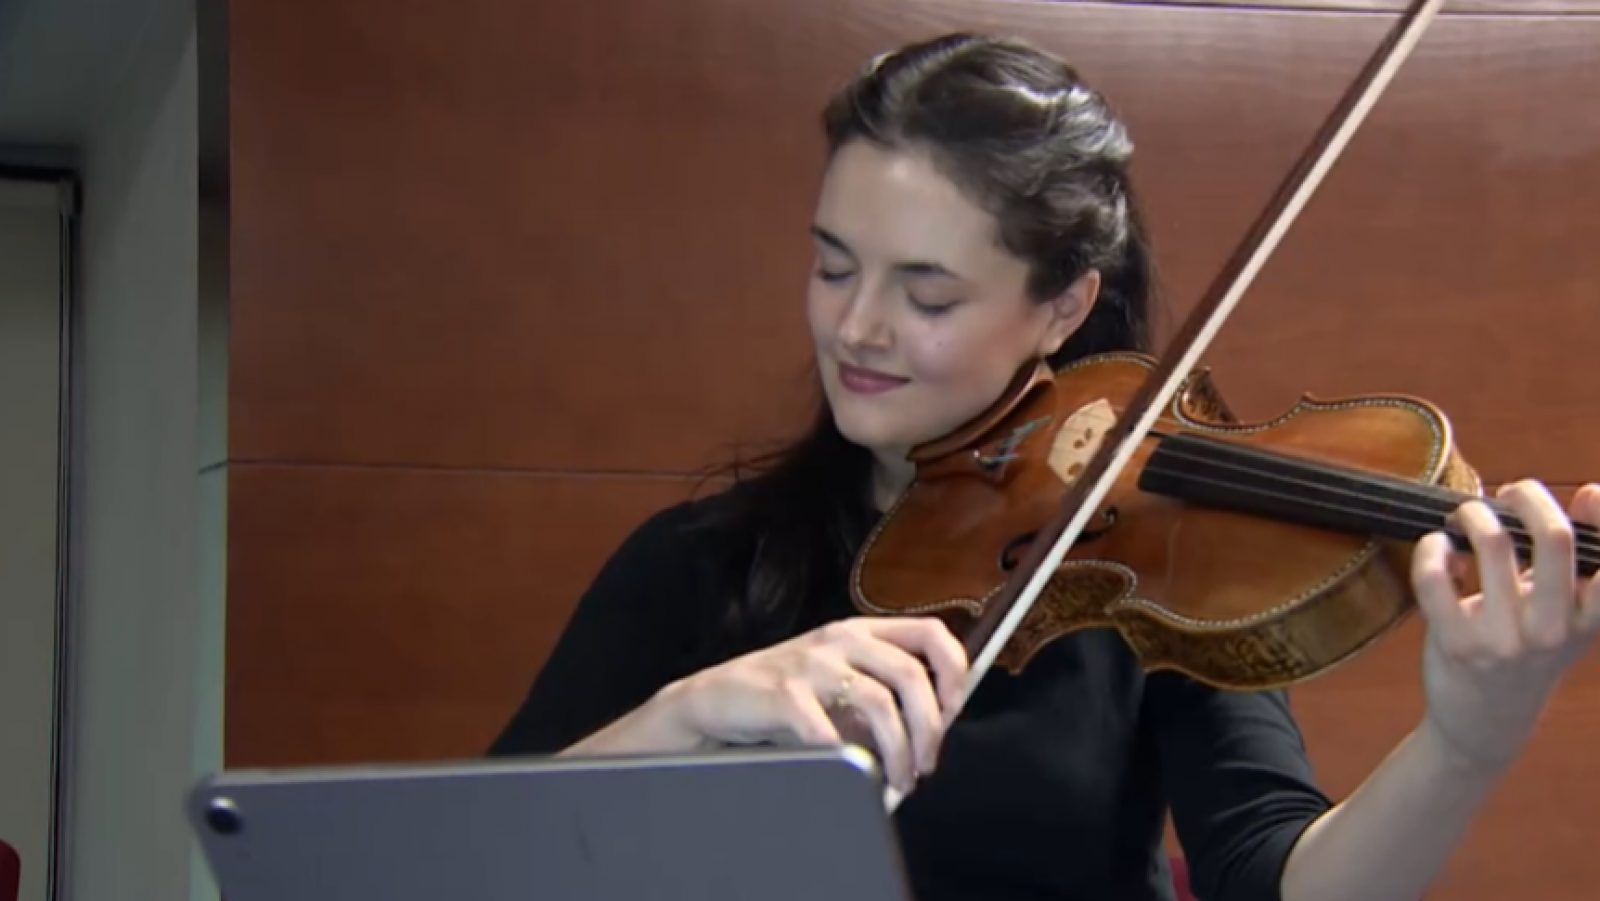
{"type": "Point", "coordinates": [976, 214]}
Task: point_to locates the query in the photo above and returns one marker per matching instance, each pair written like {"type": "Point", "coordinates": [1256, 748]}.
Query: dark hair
{"type": "Point", "coordinates": [1021, 133]}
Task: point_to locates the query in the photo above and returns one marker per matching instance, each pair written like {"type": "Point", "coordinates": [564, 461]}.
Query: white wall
{"type": "Point", "coordinates": [30, 359]}
{"type": "Point", "coordinates": [148, 542]}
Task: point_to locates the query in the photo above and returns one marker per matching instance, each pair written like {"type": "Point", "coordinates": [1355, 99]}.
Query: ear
{"type": "Point", "coordinates": [1068, 311]}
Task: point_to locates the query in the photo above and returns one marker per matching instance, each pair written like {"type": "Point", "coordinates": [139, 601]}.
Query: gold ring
{"type": "Point", "coordinates": [841, 695]}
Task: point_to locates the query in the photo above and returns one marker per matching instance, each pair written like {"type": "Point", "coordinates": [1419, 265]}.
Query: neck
{"type": "Point", "coordinates": [891, 473]}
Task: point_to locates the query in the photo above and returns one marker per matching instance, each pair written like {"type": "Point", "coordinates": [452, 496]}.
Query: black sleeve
{"type": "Point", "coordinates": [1238, 781]}
{"type": "Point", "coordinates": [631, 633]}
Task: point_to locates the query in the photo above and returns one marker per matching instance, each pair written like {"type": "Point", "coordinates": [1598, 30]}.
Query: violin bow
{"type": "Point", "coordinates": [1027, 582]}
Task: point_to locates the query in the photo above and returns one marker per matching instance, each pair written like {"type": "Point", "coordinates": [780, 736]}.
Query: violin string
{"type": "Point", "coordinates": [1429, 515]}
{"type": "Point", "coordinates": [1434, 499]}
{"type": "Point", "coordinates": [1587, 554]}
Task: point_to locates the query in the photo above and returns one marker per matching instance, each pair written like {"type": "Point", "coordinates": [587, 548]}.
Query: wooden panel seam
{"type": "Point", "coordinates": [1522, 9]}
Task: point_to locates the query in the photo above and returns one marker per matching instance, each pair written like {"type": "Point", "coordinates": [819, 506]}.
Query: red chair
{"type": "Point", "coordinates": [10, 872]}
{"type": "Point", "coordinates": [1180, 879]}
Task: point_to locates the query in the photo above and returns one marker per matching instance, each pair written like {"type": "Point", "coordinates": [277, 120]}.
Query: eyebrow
{"type": "Point", "coordinates": [910, 267]}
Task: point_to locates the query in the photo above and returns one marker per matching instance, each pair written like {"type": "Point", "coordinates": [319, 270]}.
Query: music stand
{"type": "Point", "coordinates": [775, 825]}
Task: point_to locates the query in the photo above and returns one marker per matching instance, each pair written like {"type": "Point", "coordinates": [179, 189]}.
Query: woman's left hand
{"type": "Point", "coordinates": [1493, 659]}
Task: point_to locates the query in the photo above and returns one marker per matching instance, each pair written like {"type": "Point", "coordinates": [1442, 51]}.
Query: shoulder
{"type": "Point", "coordinates": [688, 541]}
{"type": "Point", "coordinates": [706, 521]}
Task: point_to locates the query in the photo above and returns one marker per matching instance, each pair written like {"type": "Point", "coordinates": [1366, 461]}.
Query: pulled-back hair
{"type": "Point", "coordinates": [1017, 130]}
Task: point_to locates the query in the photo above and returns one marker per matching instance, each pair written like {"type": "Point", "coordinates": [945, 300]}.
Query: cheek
{"type": "Point", "coordinates": [961, 362]}
{"type": "Point", "coordinates": [959, 375]}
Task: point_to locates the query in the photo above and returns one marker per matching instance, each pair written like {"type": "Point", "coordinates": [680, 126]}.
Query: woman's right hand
{"type": "Point", "coordinates": [824, 686]}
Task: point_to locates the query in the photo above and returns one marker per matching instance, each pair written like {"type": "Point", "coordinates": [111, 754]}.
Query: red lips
{"type": "Point", "coordinates": [868, 381]}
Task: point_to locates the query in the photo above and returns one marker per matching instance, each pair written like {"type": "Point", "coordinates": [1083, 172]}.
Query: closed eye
{"type": "Point", "coordinates": [932, 309]}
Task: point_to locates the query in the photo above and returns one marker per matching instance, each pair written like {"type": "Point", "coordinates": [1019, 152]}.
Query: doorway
{"type": "Point", "coordinates": [36, 244]}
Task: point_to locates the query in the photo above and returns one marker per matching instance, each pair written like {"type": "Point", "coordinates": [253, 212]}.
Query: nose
{"type": "Point", "coordinates": [863, 325]}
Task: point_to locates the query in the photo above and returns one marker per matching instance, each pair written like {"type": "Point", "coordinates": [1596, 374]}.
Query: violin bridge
{"type": "Point", "coordinates": [1079, 439]}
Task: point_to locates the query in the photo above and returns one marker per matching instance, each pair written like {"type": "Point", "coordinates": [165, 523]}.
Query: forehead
{"type": "Point", "coordinates": [897, 205]}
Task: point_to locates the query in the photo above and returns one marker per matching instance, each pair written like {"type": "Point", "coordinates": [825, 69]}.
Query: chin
{"type": "Point", "coordinates": [874, 432]}
{"type": "Point", "coordinates": [888, 423]}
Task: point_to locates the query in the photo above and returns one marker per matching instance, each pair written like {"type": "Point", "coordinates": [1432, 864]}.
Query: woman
{"type": "Point", "coordinates": [975, 215]}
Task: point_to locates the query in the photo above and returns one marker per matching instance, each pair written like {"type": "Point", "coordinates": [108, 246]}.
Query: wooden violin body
{"type": "Point", "coordinates": [1246, 555]}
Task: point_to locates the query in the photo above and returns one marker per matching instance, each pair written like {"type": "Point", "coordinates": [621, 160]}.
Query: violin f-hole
{"type": "Point", "coordinates": [1011, 554]}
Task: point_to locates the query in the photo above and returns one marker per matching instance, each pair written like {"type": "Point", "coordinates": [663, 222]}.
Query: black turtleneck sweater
{"type": "Point", "coordinates": [1051, 785]}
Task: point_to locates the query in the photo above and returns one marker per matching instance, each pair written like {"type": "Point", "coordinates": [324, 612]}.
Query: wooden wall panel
{"type": "Point", "coordinates": [489, 258]}
{"type": "Point", "coordinates": [1445, 257]}
{"type": "Point", "coordinates": [397, 615]}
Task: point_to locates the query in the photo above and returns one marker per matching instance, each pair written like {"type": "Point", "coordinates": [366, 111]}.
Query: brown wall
{"type": "Point", "coordinates": [498, 272]}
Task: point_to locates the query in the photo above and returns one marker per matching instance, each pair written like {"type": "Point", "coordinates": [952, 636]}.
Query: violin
{"type": "Point", "coordinates": [1247, 555]}
{"type": "Point", "coordinates": [1121, 492]}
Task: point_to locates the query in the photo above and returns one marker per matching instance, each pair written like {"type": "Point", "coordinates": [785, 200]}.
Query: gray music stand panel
{"type": "Point", "coordinates": [732, 826]}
